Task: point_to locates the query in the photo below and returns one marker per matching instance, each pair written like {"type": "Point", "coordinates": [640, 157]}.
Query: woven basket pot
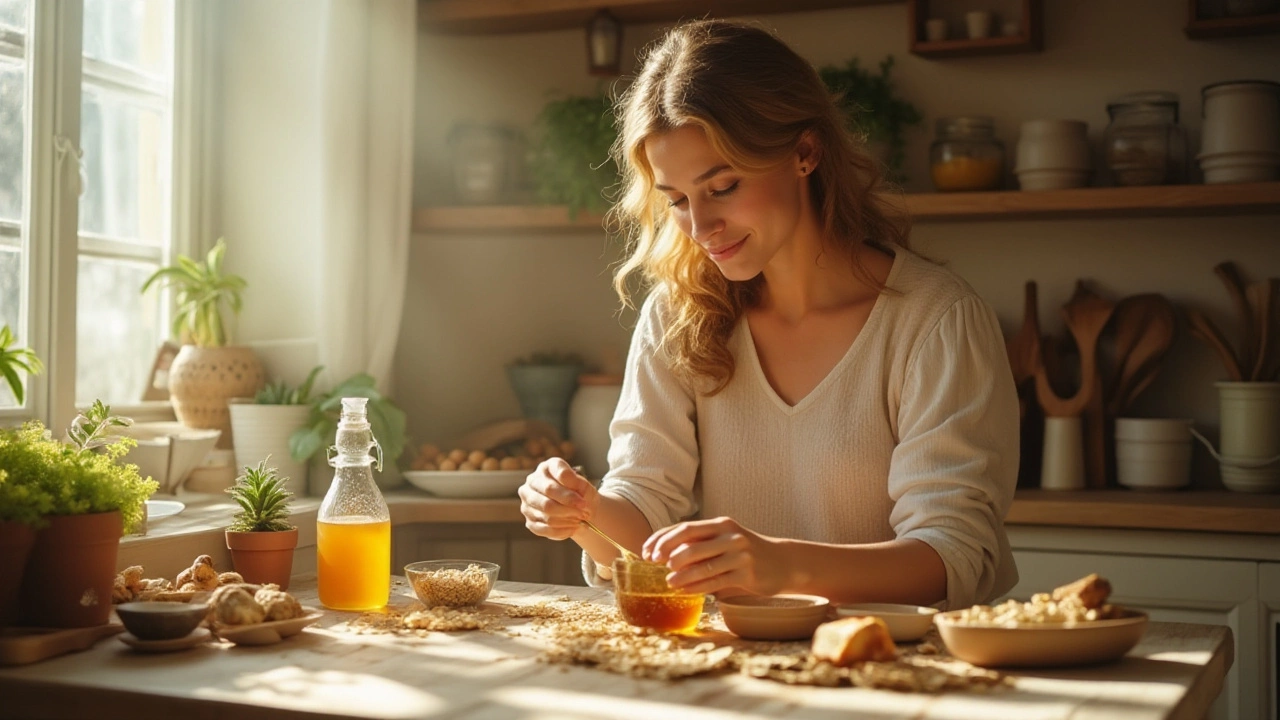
{"type": "Point", "coordinates": [202, 379]}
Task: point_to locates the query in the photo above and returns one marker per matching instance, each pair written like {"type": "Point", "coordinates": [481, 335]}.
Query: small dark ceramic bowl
{"type": "Point", "coordinates": [161, 620]}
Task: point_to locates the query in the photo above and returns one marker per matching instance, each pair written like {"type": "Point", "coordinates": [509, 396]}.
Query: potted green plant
{"type": "Point", "coordinates": [21, 505]}
{"type": "Point", "coordinates": [12, 360]}
{"type": "Point", "coordinates": [387, 421]}
{"type": "Point", "coordinates": [544, 383]}
{"type": "Point", "coordinates": [260, 537]}
{"type": "Point", "coordinates": [263, 424]}
{"type": "Point", "coordinates": [569, 159]}
{"type": "Point", "coordinates": [80, 499]}
{"type": "Point", "coordinates": [873, 108]}
{"type": "Point", "coordinates": [208, 370]}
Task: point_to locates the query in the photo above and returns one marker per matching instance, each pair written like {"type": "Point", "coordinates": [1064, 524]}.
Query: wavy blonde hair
{"type": "Point", "coordinates": [755, 99]}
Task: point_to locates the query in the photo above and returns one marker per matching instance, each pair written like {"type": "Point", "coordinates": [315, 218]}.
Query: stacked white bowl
{"type": "Point", "coordinates": [1240, 140]}
{"type": "Point", "coordinates": [1053, 155]}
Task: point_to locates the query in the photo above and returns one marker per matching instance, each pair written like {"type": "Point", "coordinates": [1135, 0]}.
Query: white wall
{"type": "Point", "coordinates": [267, 113]}
{"type": "Point", "coordinates": [478, 301]}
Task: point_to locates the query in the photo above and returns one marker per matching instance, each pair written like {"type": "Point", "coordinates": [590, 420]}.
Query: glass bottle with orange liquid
{"type": "Point", "coordinates": [353, 531]}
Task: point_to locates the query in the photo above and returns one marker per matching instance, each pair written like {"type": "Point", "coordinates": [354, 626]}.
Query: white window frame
{"type": "Point", "coordinates": [54, 75]}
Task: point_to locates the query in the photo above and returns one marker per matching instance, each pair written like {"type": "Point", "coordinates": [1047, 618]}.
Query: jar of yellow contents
{"type": "Point", "coordinates": [966, 156]}
{"type": "Point", "coordinates": [646, 600]}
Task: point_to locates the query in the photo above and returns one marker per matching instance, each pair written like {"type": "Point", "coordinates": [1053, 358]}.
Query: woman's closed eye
{"type": "Point", "coordinates": [713, 193]}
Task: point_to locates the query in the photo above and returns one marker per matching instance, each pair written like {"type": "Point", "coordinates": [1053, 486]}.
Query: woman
{"type": "Point", "coordinates": [838, 411]}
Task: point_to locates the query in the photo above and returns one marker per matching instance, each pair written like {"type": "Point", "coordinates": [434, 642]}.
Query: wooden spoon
{"type": "Point", "coordinates": [1236, 289]}
{"type": "Point", "coordinates": [1203, 328]}
{"type": "Point", "coordinates": [1262, 294]}
{"type": "Point", "coordinates": [1145, 328]}
{"type": "Point", "coordinates": [1085, 314]}
{"type": "Point", "coordinates": [1024, 346]}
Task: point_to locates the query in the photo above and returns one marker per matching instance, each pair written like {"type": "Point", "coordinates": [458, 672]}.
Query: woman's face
{"type": "Point", "coordinates": [740, 221]}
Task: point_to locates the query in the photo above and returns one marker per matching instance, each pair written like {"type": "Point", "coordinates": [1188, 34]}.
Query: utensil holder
{"type": "Point", "coordinates": [1250, 438]}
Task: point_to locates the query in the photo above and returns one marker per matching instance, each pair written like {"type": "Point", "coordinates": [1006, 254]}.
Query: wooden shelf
{"type": "Point", "coordinates": [1196, 510]}
{"type": "Point", "coordinates": [1029, 38]}
{"type": "Point", "coordinates": [1199, 28]}
{"type": "Point", "coordinates": [1083, 203]}
{"type": "Point", "coordinates": [475, 17]}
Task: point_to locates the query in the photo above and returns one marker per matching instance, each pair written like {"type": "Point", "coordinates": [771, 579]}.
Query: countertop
{"type": "Point", "coordinates": [1174, 673]}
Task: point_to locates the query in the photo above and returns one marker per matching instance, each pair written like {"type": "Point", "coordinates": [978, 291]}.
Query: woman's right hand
{"type": "Point", "coordinates": [555, 500]}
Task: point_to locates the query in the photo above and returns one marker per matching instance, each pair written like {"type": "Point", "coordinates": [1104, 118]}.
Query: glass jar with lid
{"type": "Point", "coordinates": [1143, 144]}
{"type": "Point", "coordinates": [966, 156]}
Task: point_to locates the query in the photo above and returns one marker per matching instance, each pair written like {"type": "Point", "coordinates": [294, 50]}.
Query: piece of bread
{"type": "Point", "coordinates": [853, 640]}
{"type": "Point", "coordinates": [1092, 590]}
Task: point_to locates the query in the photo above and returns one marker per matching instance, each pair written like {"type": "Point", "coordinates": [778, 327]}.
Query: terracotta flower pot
{"type": "Point", "coordinates": [263, 557]}
{"type": "Point", "coordinates": [16, 540]}
{"type": "Point", "coordinates": [201, 380]}
{"type": "Point", "coordinates": [71, 570]}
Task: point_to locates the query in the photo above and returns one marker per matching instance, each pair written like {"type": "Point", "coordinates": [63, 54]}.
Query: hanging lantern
{"type": "Point", "coordinates": [604, 44]}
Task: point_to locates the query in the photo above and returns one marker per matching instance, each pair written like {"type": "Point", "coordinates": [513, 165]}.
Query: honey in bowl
{"type": "Point", "coordinates": [646, 600]}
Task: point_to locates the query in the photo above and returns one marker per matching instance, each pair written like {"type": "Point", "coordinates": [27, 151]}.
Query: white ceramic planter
{"type": "Point", "coordinates": [263, 431]}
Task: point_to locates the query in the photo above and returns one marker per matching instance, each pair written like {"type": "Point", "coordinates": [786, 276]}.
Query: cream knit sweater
{"type": "Point", "coordinates": [913, 434]}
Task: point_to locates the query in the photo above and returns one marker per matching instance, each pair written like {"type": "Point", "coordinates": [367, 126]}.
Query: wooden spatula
{"type": "Point", "coordinates": [1235, 285]}
{"type": "Point", "coordinates": [1145, 329]}
{"type": "Point", "coordinates": [1262, 297]}
{"type": "Point", "coordinates": [1203, 328]}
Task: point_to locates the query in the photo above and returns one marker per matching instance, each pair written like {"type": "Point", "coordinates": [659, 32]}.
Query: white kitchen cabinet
{"type": "Point", "coordinates": [1269, 599]}
{"type": "Point", "coordinates": [1194, 590]}
{"type": "Point", "coordinates": [523, 556]}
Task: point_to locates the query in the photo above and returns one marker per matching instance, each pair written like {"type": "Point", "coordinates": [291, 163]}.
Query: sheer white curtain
{"type": "Point", "coordinates": [366, 134]}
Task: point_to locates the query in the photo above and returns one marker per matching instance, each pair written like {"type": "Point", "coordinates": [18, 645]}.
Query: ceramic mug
{"type": "Point", "coordinates": [1249, 413]}
{"type": "Point", "coordinates": [935, 29]}
{"type": "Point", "coordinates": [978, 23]}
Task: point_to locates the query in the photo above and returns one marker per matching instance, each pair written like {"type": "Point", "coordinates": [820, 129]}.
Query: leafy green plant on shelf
{"type": "Point", "coordinates": [278, 392]}
{"type": "Point", "coordinates": [263, 501]}
{"type": "Point", "coordinates": [569, 159]}
{"type": "Point", "coordinates": [872, 107]}
{"type": "Point", "coordinates": [387, 420]}
{"type": "Point", "coordinates": [202, 292]}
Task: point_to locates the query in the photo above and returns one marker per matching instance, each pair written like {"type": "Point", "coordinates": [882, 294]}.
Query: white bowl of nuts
{"type": "Point", "coordinates": [468, 484]}
{"type": "Point", "coordinates": [451, 583]}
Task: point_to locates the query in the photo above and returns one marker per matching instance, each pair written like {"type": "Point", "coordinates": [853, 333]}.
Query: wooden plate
{"type": "Point", "coordinates": [267, 633]}
{"type": "Point", "coordinates": [1043, 645]}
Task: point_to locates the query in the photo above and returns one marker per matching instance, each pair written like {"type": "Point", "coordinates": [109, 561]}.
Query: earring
{"type": "Point", "coordinates": [804, 169]}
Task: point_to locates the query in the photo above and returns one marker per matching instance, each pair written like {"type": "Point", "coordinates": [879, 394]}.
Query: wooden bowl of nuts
{"type": "Point", "coordinates": [451, 583]}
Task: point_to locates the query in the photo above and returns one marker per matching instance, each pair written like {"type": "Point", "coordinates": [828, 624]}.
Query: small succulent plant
{"type": "Point", "coordinates": [263, 501]}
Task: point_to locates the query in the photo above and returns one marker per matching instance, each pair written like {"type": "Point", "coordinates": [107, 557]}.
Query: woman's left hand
{"type": "Point", "coordinates": [708, 556]}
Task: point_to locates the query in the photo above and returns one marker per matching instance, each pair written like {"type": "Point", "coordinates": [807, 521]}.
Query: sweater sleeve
{"type": "Point", "coordinates": [653, 448]}
{"type": "Point", "coordinates": [955, 466]}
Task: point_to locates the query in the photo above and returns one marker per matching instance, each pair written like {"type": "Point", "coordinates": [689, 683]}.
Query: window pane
{"type": "Point", "coordinates": [12, 90]}
{"type": "Point", "coordinates": [10, 306]}
{"type": "Point", "coordinates": [124, 146]}
{"type": "Point", "coordinates": [14, 14]}
{"type": "Point", "coordinates": [117, 331]}
{"type": "Point", "coordinates": [134, 33]}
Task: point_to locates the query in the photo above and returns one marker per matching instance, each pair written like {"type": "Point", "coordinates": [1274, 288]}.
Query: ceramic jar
{"type": "Point", "coordinates": [1143, 144]}
{"type": "Point", "coordinates": [1053, 155]}
{"type": "Point", "coordinates": [966, 156]}
{"type": "Point", "coordinates": [1240, 140]}
{"type": "Point", "coordinates": [480, 170]}
{"type": "Point", "coordinates": [590, 413]}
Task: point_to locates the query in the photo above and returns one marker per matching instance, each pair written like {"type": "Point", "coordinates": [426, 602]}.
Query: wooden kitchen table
{"type": "Point", "coordinates": [1175, 672]}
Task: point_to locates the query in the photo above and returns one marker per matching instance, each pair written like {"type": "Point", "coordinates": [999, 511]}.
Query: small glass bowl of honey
{"type": "Point", "coordinates": [646, 600]}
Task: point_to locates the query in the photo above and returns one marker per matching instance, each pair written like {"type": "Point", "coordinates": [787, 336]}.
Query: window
{"type": "Point", "coordinates": [123, 127]}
